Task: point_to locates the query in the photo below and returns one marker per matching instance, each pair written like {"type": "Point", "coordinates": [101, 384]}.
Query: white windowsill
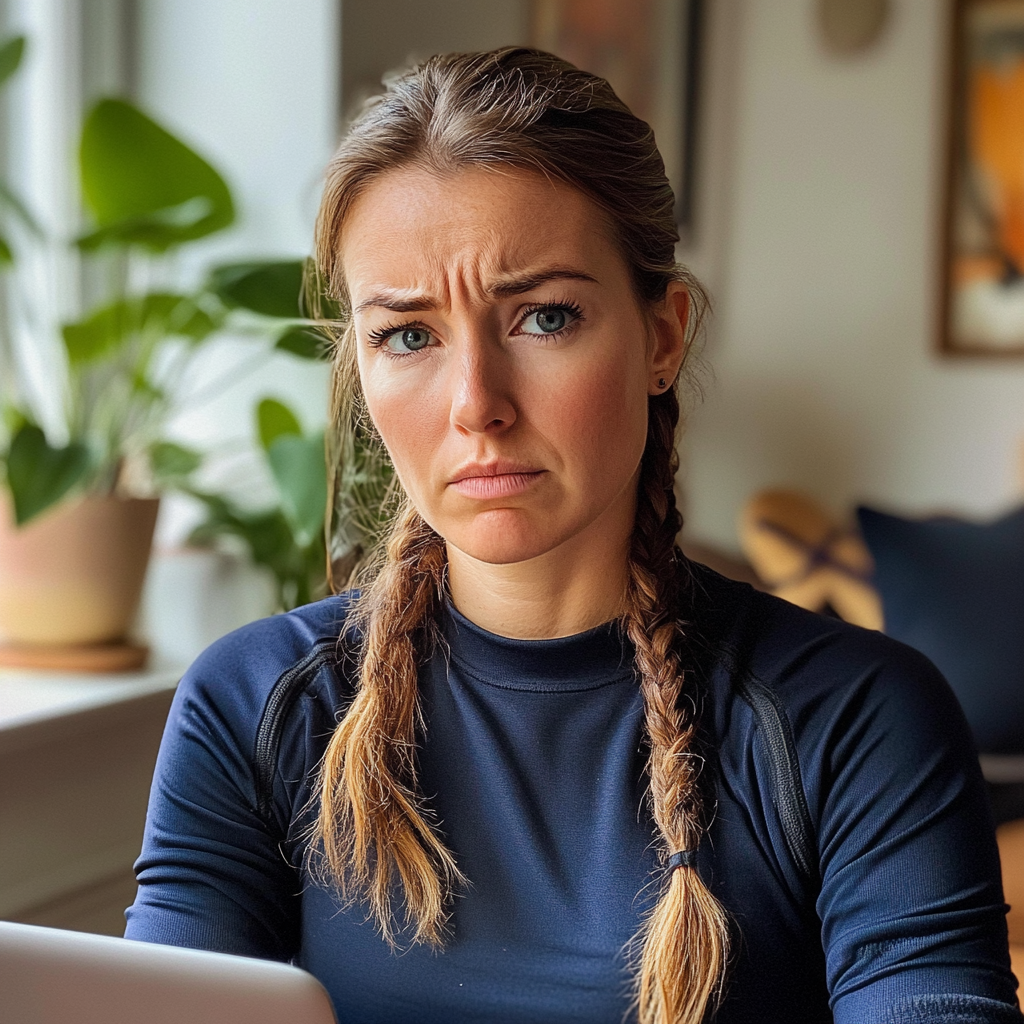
{"type": "Point", "coordinates": [31, 698]}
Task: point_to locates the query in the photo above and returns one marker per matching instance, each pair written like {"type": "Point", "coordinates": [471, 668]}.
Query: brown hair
{"type": "Point", "coordinates": [527, 109]}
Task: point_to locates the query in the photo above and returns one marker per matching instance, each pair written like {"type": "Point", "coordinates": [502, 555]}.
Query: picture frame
{"type": "Point", "coordinates": [982, 251]}
{"type": "Point", "coordinates": [650, 52]}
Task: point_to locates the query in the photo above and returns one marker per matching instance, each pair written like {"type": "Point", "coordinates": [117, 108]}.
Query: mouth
{"type": "Point", "coordinates": [494, 480]}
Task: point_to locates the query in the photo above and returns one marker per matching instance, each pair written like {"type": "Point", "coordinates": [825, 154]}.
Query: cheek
{"type": "Point", "coordinates": [600, 414]}
{"type": "Point", "coordinates": [408, 419]}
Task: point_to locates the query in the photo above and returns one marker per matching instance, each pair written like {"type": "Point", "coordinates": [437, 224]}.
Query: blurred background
{"type": "Point", "coordinates": [810, 143]}
{"type": "Point", "coordinates": [817, 196]}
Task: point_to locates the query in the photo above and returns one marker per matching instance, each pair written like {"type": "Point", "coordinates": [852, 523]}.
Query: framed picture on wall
{"type": "Point", "coordinates": [983, 255]}
{"type": "Point", "coordinates": [649, 50]}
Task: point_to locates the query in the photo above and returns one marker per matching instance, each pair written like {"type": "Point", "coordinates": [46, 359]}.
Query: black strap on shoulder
{"type": "Point", "coordinates": [281, 700]}
{"type": "Point", "coordinates": [789, 790]}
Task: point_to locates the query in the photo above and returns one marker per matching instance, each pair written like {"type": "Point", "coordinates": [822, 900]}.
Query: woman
{"type": "Point", "coordinates": [552, 771]}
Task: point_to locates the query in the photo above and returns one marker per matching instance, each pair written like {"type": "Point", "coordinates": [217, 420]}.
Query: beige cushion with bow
{"type": "Point", "coordinates": [805, 555]}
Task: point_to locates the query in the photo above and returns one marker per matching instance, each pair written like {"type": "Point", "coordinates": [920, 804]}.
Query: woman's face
{"type": "Point", "coordinates": [503, 356]}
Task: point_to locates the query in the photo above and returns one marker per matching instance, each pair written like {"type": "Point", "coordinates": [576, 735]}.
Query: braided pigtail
{"type": "Point", "coordinates": [373, 829]}
{"type": "Point", "coordinates": [685, 940]}
{"type": "Point", "coordinates": [520, 108]}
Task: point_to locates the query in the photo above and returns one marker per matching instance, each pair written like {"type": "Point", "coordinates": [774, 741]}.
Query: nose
{"type": "Point", "coordinates": [480, 394]}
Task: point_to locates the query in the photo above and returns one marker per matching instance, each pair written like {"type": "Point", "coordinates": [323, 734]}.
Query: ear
{"type": "Point", "coordinates": [670, 329]}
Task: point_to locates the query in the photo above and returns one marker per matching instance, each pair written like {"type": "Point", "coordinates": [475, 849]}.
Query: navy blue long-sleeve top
{"type": "Point", "coordinates": [533, 759]}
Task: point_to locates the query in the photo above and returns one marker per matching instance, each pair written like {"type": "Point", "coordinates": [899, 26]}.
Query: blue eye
{"type": "Point", "coordinates": [553, 319]}
{"type": "Point", "coordinates": [550, 320]}
{"type": "Point", "coordinates": [411, 339]}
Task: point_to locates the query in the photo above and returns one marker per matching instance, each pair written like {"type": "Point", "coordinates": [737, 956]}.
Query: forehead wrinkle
{"type": "Point", "coordinates": [491, 265]}
{"type": "Point", "coordinates": [471, 253]}
{"type": "Point", "coordinates": [466, 273]}
{"type": "Point", "coordinates": [434, 292]}
{"type": "Point", "coordinates": [506, 285]}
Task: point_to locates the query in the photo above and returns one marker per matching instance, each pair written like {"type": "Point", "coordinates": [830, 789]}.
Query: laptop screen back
{"type": "Point", "coordinates": [50, 976]}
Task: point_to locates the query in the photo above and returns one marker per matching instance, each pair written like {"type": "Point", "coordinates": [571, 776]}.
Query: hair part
{"type": "Point", "coordinates": [515, 108]}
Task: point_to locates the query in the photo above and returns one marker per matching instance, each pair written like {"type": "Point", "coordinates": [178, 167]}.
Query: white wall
{"type": "Point", "coordinates": [383, 35]}
{"type": "Point", "coordinates": [253, 85]}
{"type": "Point", "coordinates": [820, 212]}
{"type": "Point", "coordinates": [45, 100]}
{"type": "Point", "coordinates": [825, 276]}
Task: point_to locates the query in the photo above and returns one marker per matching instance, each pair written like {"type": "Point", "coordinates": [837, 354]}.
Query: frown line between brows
{"type": "Point", "coordinates": [399, 302]}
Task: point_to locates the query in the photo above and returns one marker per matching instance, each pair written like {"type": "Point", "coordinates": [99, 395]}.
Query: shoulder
{"type": "Point", "coordinates": [236, 676]}
{"type": "Point", "coordinates": [253, 712]}
{"type": "Point", "coordinates": [815, 665]}
{"type": "Point", "coordinates": [850, 730]}
{"type": "Point", "coordinates": [845, 694]}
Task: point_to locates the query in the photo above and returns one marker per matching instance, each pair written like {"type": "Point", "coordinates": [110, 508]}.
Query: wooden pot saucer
{"type": "Point", "coordinates": [119, 657]}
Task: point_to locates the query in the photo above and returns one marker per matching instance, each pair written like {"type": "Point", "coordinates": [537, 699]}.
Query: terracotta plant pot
{"type": "Point", "coordinates": [74, 575]}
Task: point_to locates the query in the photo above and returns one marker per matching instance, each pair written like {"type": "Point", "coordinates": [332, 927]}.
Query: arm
{"type": "Point", "coordinates": [911, 903]}
{"type": "Point", "coordinates": [211, 875]}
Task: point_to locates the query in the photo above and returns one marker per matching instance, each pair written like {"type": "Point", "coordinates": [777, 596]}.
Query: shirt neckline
{"type": "Point", "coordinates": [583, 661]}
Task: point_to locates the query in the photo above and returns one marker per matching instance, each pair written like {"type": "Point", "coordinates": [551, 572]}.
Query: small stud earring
{"type": "Point", "coordinates": [661, 382]}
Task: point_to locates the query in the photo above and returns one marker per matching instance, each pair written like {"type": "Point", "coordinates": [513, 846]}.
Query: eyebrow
{"type": "Point", "coordinates": [527, 282]}
{"type": "Point", "coordinates": [399, 302]}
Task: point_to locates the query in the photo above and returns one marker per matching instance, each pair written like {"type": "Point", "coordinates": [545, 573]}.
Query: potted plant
{"type": "Point", "coordinates": [78, 499]}
{"type": "Point", "coordinates": [289, 538]}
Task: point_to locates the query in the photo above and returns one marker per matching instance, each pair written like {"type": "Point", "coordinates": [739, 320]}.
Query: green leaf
{"type": "Point", "coordinates": [270, 288]}
{"type": "Point", "coordinates": [144, 186]}
{"type": "Point", "coordinates": [273, 420]}
{"type": "Point", "coordinates": [176, 315]}
{"type": "Point", "coordinates": [267, 534]}
{"type": "Point", "coordinates": [39, 475]}
{"type": "Point", "coordinates": [299, 571]}
{"type": "Point", "coordinates": [11, 53]}
{"type": "Point", "coordinates": [151, 230]}
{"type": "Point", "coordinates": [6, 256]}
{"type": "Point", "coordinates": [96, 335]}
{"type": "Point", "coordinates": [12, 418]}
{"type": "Point", "coordinates": [305, 342]}
{"type": "Point", "coordinates": [106, 329]}
{"type": "Point", "coordinates": [170, 462]}
{"type": "Point", "coordinates": [300, 471]}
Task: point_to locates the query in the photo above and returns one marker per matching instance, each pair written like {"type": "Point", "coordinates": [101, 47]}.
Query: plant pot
{"type": "Point", "coordinates": [74, 576]}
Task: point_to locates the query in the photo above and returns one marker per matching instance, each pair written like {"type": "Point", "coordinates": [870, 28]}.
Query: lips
{"type": "Point", "coordinates": [494, 479]}
{"type": "Point", "coordinates": [497, 468]}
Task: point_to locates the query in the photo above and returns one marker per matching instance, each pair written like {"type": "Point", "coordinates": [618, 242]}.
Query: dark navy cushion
{"type": "Point", "coordinates": [955, 591]}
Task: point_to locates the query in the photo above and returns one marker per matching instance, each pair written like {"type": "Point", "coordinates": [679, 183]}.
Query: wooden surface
{"type": "Point", "coordinates": [1011, 856]}
{"type": "Point", "coordinates": [101, 658]}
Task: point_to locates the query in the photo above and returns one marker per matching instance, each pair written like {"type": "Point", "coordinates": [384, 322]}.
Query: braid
{"type": "Point", "coordinates": [686, 937]}
{"type": "Point", "coordinates": [372, 826]}
{"type": "Point", "coordinates": [523, 108]}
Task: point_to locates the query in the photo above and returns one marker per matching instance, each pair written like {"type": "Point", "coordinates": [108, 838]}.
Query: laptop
{"type": "Point", "coordinates": [51, 976]}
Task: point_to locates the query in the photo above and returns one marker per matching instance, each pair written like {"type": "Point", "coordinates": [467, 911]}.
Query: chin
{"type": "Point", "coordinates": [500, 542]}
{"type": "Point", "coordinates": [502, 554]}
